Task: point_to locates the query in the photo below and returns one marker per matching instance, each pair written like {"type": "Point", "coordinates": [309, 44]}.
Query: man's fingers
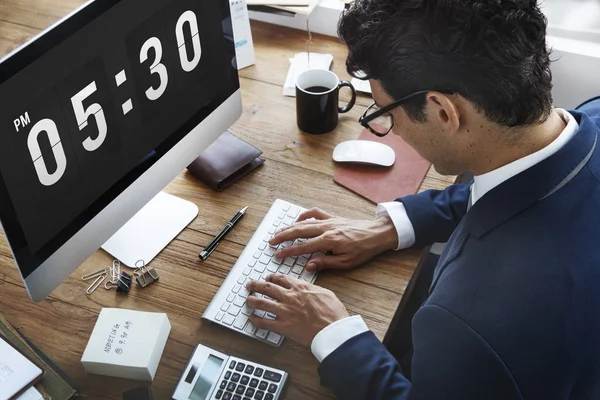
{"type": "Point", "coordinates": [327, 262]}
{"type": "Point", "coordinates": [267, 288]}
{"type": "Point", "coordinates": [308, 247]}
{"type": "Point", "coordinates": [264, 323]}
{"type": "Point", "coordinates": [296, 232]}
{"type": "Point", "coordinates": [315, 213]}
{"type": "Point", "coordinates": [261, 303]}
{"type": "Point", "coordinates": [280, 280]}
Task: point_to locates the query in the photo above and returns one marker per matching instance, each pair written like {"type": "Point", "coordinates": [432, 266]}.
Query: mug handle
{"type": "Point", "coordinates": [348, 106]}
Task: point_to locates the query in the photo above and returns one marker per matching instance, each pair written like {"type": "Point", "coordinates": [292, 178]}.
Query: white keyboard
{"type": "Point", "coordinates": [257, 261]}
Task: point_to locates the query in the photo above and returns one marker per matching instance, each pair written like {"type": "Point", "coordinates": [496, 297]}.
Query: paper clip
{"type": "Point", "coordinates": [93, 275]}
{"type": "Point", "coordinates": [96, 283]}
{"type": "Point", "coordinates": [115, 271]}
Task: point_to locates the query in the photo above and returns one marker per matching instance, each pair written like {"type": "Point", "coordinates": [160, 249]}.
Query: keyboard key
{"type": "Point", "coordinates": [254, 275]}
{"type": "Point", "coordinates": [236, 288]}
{"type": "Point", "coordinates": [302, 261]}
{"type": "Point", "coordinates": [240, 367]}
{"type": "Point", "coordinates": [247, 310]}
{"type": "Point", "coordinates": [293, 212]}
{"type": "Point", "coordinates": [288, 220]}
{"type": "Point", "coordinates": [261, 267]}
{"type": "Point", "coordinates": [272, 267]}
{"type": "Point", "coordinates": [272, 376]}
{"type": "Point", "coordinates": [297, 269]}
{"type": "Point", "coordinates": [270, 250]}
{"type": "Point", "coordinates": [230, 297]}
{"type": "Point", "coordinates": [281, 215]}
{"type": "Point", "coordinates": [250, 328]}
{"type": "Point", "coordinates": [244, 292]}
{"type": "Point", "coordinates": [286, 206]}
{"type": "Point", "coordinates": [262, 246]}
{"type": "Point", "coordinates": [257, 254]}
{"type": "Point", "coordinates": [270, 316]}
{"type": "Point", "coordinates": [269, 396]}
{"type": "Point", "coordinates": [259, 395]}
{"type": "Point", "coordinates": [263, 385]}
{"type": "Point", "coordinates": [273, 338]}
{"type": "Point", "coordinates": [284, 269]}
{"type": "Point", "coordinates": [250, 391]}
{"type": "Point", "coordinates": [258, 372]}
{"type": "Point", "coordinates": [225, 307]}
{"type": "Point", "coordinates": [245, 379]}
{"type": "Point", "coordinates": [220, 314]}
{"type": "Point", "coordinates": [247, 271]}
{"type": "Point", "coordinates": [240, 322]}
{"type": "Point", "coordinates": [236, 377]}
{"type": "Point", "coordinates": [228, 319]}
{"type": "Point", "coordinates": [234, 310]}
{"type": "Point", "coordinates": [252, 262]}
{"type": "Point", "coordinates": [254, 381]}
{"type": "Point", "coordinates": [266, 238]}
{"type": "Point", "coordinates": [264, 259]}
{"type": "Point", "coordinates": [259, 313]}
{"type": "Point", "coordinates": [287, 244]}
{"type": "Point", "coordinates": [241, 280]}
{"type": "Point", "coordinates": [294, 275]}
{"type": "Point", "coordinates": [272, 230]}
{"type": "Point", "coordinates": [231, 387]}
{"type": "Point", "coordinates": [240, 389]}
{"type": "Point", "coordinates": [276, 223]}
{"type": "Point", "coordinates": [249, 369]}
{"type": "Point", "coordinates": [289, 261]}
{"type": "Point", "coordinates": [262, 333]}
{"type": "Point", "coordinates": [272, 388]}
{"type": "Point", "coordinates": [277, 260]}
{"type": "Point", "coordinates": [239, 301]}
{"type": "Point", "coordinates": [308, 275]}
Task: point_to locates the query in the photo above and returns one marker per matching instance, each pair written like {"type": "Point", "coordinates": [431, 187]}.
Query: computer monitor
{"type": "Point", "coordinates": [98, 114]}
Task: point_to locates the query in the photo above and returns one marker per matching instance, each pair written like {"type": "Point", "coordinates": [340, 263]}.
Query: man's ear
{"type": "Point", "coordinates": [445, 109]}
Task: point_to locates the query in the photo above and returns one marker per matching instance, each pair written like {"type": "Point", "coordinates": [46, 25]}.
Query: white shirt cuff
{"type": "Point", "coordinates": [333, 336]}
{"type": "Point", "coordinates": [397, 213]}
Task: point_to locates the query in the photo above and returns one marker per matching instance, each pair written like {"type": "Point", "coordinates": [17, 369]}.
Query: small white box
{"type": "Point", "coordinates": [126, 344]}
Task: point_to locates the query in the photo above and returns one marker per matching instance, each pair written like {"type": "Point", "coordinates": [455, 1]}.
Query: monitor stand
{"type": "Point", "coordinates": [151, 229]}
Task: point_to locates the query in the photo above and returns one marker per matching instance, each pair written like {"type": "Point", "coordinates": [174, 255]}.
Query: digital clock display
{"type": "Point", "coordinates": [78, 120]}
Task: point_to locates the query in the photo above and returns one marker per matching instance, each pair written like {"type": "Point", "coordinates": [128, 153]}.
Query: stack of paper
{"type": "Point", "coordinates": [300, 63]}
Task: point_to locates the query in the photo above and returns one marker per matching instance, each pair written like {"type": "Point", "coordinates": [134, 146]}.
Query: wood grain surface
{"type": "Point", "coordinates": [298, 169]}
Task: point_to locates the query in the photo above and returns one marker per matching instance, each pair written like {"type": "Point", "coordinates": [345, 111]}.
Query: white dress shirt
{"type": "Point", "coordinates": [334, 335]}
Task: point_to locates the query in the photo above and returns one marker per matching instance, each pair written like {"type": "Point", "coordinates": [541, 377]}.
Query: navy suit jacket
{"type": "Point", "coordinates": [514, 307]}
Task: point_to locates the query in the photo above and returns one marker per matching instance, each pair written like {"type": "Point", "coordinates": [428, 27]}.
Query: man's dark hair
{"type": "Point", "coordinates": [491, 52]}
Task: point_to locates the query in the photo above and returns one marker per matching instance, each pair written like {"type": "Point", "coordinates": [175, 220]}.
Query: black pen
{"type": "Point", "coordinates": [215, 242]}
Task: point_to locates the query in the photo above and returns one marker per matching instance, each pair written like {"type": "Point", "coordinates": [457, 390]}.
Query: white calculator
{"type": "Point", "coordinates": [211, 374]}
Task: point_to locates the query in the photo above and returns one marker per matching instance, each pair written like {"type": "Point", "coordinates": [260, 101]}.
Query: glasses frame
{"type": "Point", "coordinates": [365, 119]}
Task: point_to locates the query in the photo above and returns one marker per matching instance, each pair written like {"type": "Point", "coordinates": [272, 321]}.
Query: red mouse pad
{"type": "Point", "coordinates": [383, 184]}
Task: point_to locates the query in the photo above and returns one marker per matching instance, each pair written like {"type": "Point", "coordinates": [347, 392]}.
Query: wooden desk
{"type": "Point", "coordinates": [298, 168]}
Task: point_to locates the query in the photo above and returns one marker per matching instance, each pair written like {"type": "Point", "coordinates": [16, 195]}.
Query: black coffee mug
{"type": "Point", "coordinates": [317, 101]}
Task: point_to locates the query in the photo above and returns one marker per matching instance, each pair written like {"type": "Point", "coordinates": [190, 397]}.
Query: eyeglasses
{"type": "Point", "coordinates": [380, 122]}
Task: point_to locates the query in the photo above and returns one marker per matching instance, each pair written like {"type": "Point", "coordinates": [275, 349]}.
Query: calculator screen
{"type": "Point", "coordinates": [208, 376]}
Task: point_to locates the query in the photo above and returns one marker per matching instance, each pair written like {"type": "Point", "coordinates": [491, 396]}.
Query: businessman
{"type": "Point", "coordinates": [514, 306]}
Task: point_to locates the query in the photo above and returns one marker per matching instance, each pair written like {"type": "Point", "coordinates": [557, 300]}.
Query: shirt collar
{"type": "Point", "coordinates": [486, 182]}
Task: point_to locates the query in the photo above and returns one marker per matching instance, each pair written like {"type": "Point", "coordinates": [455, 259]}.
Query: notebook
{"type": "Point", "coordinates": [383, 184]}
{"type": "Point", "coordinates": [17, 372]}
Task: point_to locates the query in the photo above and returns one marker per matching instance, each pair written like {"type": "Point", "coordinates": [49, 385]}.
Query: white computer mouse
{"type": "Point", "coordinates": [364, 152]}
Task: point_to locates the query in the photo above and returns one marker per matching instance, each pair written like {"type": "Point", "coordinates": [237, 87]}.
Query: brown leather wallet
{"type": "Point", "coordinates": [226, 160]}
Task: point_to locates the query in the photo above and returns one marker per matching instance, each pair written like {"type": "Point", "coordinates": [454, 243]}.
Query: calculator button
{"type": "Point", "coordinates": [254, 382]}
{"type": "Point", "coordinates": [227, 396]}
{"type": "Point", "coordinates": [249, 369]}
{"type": "Point", "coordinates": [249, 392]}
{"type": "Point", "coordinates": [223, 385]}
{"type": "Point", "coordinates": [231, 386]}
{"type": "Point", "coordinates": [259, 395]}
{"type": "Point", "coordinates": [237, 397]}
{"type": "Point", "coordinates": [272, 388]}
{"type": "Point", "coordinates": [245, 379]}
{"type": "Point", "coordinates": [219, 394]}
{"type": "Point", "coordinates": [263, 385]}
{"type": "Point", "coordinates": [258, 372]}
{"type": "Point", "coordinates": [235, 377]}
{"type": "Point", "coordinates": [269, 396]}
{"type": "Point", "coordinates": [240, 389]}
{"type": "Point", "coordinates": [232, 365]}
{"type": "Point", "coordinates": [272, 376]}
{"type": "Point", "coordinates": [246, 398]}
{"type": "Point", "coordinates": [227, 374]}
{"type": "Point", "coordinates": [240, 367]}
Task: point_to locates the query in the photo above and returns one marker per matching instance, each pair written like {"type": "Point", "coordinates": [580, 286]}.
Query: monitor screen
{"type": "Point", "coordinates": [88, 107]}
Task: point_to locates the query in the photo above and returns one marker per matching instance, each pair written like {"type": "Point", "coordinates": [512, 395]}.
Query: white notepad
{"type": "Point", "coordinates": [16, 371]}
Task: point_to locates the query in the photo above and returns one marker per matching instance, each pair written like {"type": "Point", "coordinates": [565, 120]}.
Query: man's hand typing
{"type": "Point", "coordinates": [302, 310]}
{"type": "Point", "coordinates": [347, 242]}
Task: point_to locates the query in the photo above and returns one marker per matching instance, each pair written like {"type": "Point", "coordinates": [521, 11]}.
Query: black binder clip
{"type": "Point", "coordinates": [124, 283]}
